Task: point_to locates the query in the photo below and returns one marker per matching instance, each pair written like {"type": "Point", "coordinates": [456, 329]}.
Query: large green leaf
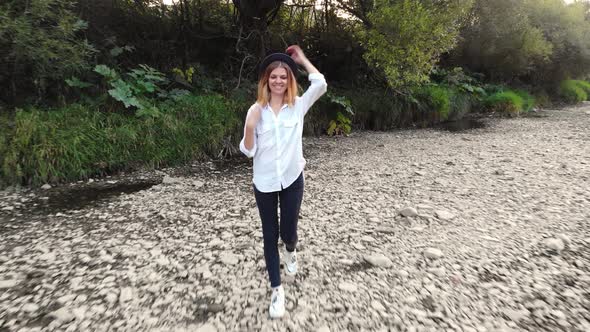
{"type": "Point", "coordinates": [105, 71]}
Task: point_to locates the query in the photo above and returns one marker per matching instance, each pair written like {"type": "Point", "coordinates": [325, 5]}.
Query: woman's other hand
{"type": "Point", "coordinates": [253, 116]}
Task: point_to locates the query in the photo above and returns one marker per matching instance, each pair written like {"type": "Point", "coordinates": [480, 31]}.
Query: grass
{"type": "Point", "coordinates": [507, 102]}
{"type": "Point", "coordinates": [80, 141]}
{"type": "Point", "coordinates": [573, 91]}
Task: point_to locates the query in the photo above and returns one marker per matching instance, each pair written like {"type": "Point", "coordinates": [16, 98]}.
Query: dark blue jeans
{"type": "Point", "coordinates": [290, 202]}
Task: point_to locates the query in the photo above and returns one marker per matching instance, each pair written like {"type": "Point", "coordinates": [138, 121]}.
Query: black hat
{"type": "Point", "coordinates": [282, 57]}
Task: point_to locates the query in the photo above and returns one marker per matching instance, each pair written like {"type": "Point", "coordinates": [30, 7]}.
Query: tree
{"type": "Point", "coordinates": [39, 46]}
{"type": "Point", "coordinates": [405, 38]}
{"type": "Point", "coordinates": [567, 29]}
{"type": "Point", "coordinates": [255, 17]}
{"type": "Point", "coordinates": [501, 42]}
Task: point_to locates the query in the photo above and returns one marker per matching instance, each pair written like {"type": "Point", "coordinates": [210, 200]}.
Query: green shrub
{"type": "Point", "coordinates": [42, 43]}
{"type": "Point", "coordinates": [377, 109]}
{"type": "Point", "coordinates": [324, 113]}
{"type": "Point", "coordinates": [77, 141]}
{"type": "Point", "coordinates": [542, 98]}
{"type": "Point", "coordinates": [528, 101]}
{"type": "Point", "coordinates": [571, 91]}
{"type": "Point", "coordinates": [506, 102]}
{"type": "Point", "coordinates": [584, 86]}
{"type": "Point", "coordinates": [340, 125]}
{"type": "Point", "coordinates": [5, 137]}
{"type": "Point", "coordinates": [439, 98]}
{"type": "Point", "coordinates": [434, 103]}
{"type": "Point", "coordinates": [462, 103]}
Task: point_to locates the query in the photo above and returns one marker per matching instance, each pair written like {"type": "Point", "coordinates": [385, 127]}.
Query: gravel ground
{"type": "Point", "coordinates": [412, 230]}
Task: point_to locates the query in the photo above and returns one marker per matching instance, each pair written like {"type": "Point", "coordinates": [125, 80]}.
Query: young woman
{"type": "Point", "coordinates": [272, 136]}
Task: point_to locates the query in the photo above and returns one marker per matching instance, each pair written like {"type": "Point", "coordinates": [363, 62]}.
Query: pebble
{"type": "Point", "coordinates": [347, 287]}
{"type": "Point", "coordinates": [4, 284]}
{"type": "Point", "coordinates": [555, 244]}
{"type": "Point", "coordinates": [433, 253]}
{"type": "Point", "coordinates": [408, 212]}
{"type": "Point", "coordinates": [378, 260]}
{"type": "Point", "coordinates": [444, 215]}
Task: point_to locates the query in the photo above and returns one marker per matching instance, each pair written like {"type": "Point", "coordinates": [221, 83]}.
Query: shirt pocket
{"type": "Point", "coordinates": [264, 135]}
{"type": "Point", "coordinates": [290, 123]}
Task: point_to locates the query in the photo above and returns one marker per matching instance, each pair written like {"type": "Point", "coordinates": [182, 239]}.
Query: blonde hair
{"type": "Point", "coordinates": [264, 90]}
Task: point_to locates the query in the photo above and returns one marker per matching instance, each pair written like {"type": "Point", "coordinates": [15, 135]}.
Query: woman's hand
{"type": "Point", "coordinates": [297, 54]}
{"type": "Point", "coordinates": [254, 116]}
{"type": "Point", "coordinates": [299, 57]}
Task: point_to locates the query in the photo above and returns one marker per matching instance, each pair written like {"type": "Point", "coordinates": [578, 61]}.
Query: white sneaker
{"type": "Point", "coordinates": [291, 262]}
{"type": "Point", "coordinates": [277, 303]}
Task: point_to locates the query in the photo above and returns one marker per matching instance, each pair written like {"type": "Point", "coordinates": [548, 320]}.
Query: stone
{"type": "Point", "coordinates": [207, 328]}
{"type": "Point", "coordinates": [444, 215]}
{"type": "Point", "coordinates": [30, 307]}
{"type": "Point", "coordinates": [373, 219]}
{"type": "Point", "coordinates": [49, 257]}
{"type": "Point", "coordinates": [126, 294]}
{"type": "Point", "coordinates": [408, 212]}
{"type": "Point", "coordinates": [111, 298]}
{"type": "Point", "coordinates": [228, 259]}
{"type": "Point", "coordinates": [378, 260]}
{"type": "Point", "coordinates": [437, 271]}
{"type": "Point", "coordinates": [347, 287]}
{"type": "Point", "coordinates": [377, 306]}
{"type": "Point", "coordinates": [403, 274]}
{"type": "Point", "coordinates": [62, 315]}
{"type": "Point", "coordinates": [4, 284]}
{"type": "Point", "coordinates": [169, 180]}
{"type": "Point", "coordinates": [433, 253]}
{"type": "Point", "coordinates": [566, 239]}
{"type": "Point", "coordinates": [515, 315]}
{"type": "Point", "coordinates": [46, 186]}
{"type": "Point", "coordinates": [554, 244]}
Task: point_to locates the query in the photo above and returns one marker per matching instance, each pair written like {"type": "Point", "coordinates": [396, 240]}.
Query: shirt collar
{"type": "Point", "coordinates": [282, 107]}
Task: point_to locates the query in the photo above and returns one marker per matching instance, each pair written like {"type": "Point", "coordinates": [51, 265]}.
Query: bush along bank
{"type": "Point", "coordinates": [80, 141]}
{"type": "Point", "coordinates": [83, 140]}
{"type": "Point", "coordinates": [574, 91]}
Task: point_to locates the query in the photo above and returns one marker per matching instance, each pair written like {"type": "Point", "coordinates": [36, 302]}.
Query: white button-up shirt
{"type": "Point", "coordinates": [278, 150]}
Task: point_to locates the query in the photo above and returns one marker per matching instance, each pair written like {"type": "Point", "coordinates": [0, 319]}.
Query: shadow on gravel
{"type": "Point", "coordinates": [359, 266]}
{"type": "Point", "coordinates": [461, 125]}
{"type": "Point", "coordinates": [63, 199]}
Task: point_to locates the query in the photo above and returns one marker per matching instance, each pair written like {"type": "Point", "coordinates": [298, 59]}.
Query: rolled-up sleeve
{"type": "Point", "coordinates": [316, 89]}
{"type": "Point", "coordinates": [249, 153]}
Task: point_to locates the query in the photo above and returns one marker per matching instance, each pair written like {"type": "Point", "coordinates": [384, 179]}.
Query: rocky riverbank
{"type": "Point", "coordinates": [413, 230]}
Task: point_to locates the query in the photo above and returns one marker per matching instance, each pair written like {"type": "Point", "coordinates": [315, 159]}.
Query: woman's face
{"type": "Point", "coordinates": [277, 81]}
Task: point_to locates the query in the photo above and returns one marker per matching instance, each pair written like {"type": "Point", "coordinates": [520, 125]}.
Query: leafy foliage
{"type": "Point", "coordinates": [78, 141]}
{"type": "Point", "coordinates": [438, 99]}
{"type": "Point", "coordinates": [136, 88]}
{"type": "Point", "coordinates": [572, 91]}
{"type": "Point", "coordinates": [584, 85]}
{"type": "Point", "coordinates": [566, 28]}
{"type": "Point", "coordinates": [510, 102]}
{"type": "Point", "coordinates": [406, 37]}
{"type": "Point", "coordinates": [501, 40]}
{"type": "Point", "coordinates": [339, 126]}
{"type": "Point", "coordinates": [538, 42]}
{"type": "Point", "coordinates": [456, 77]}
{"type": "Point", "coordinates": [40, 46]}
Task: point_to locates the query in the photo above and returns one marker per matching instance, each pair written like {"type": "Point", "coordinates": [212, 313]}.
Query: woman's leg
{"type": "Point", "coordinates": [267, 207]}
{"type": "Point", "coordinates": [290, 200]}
